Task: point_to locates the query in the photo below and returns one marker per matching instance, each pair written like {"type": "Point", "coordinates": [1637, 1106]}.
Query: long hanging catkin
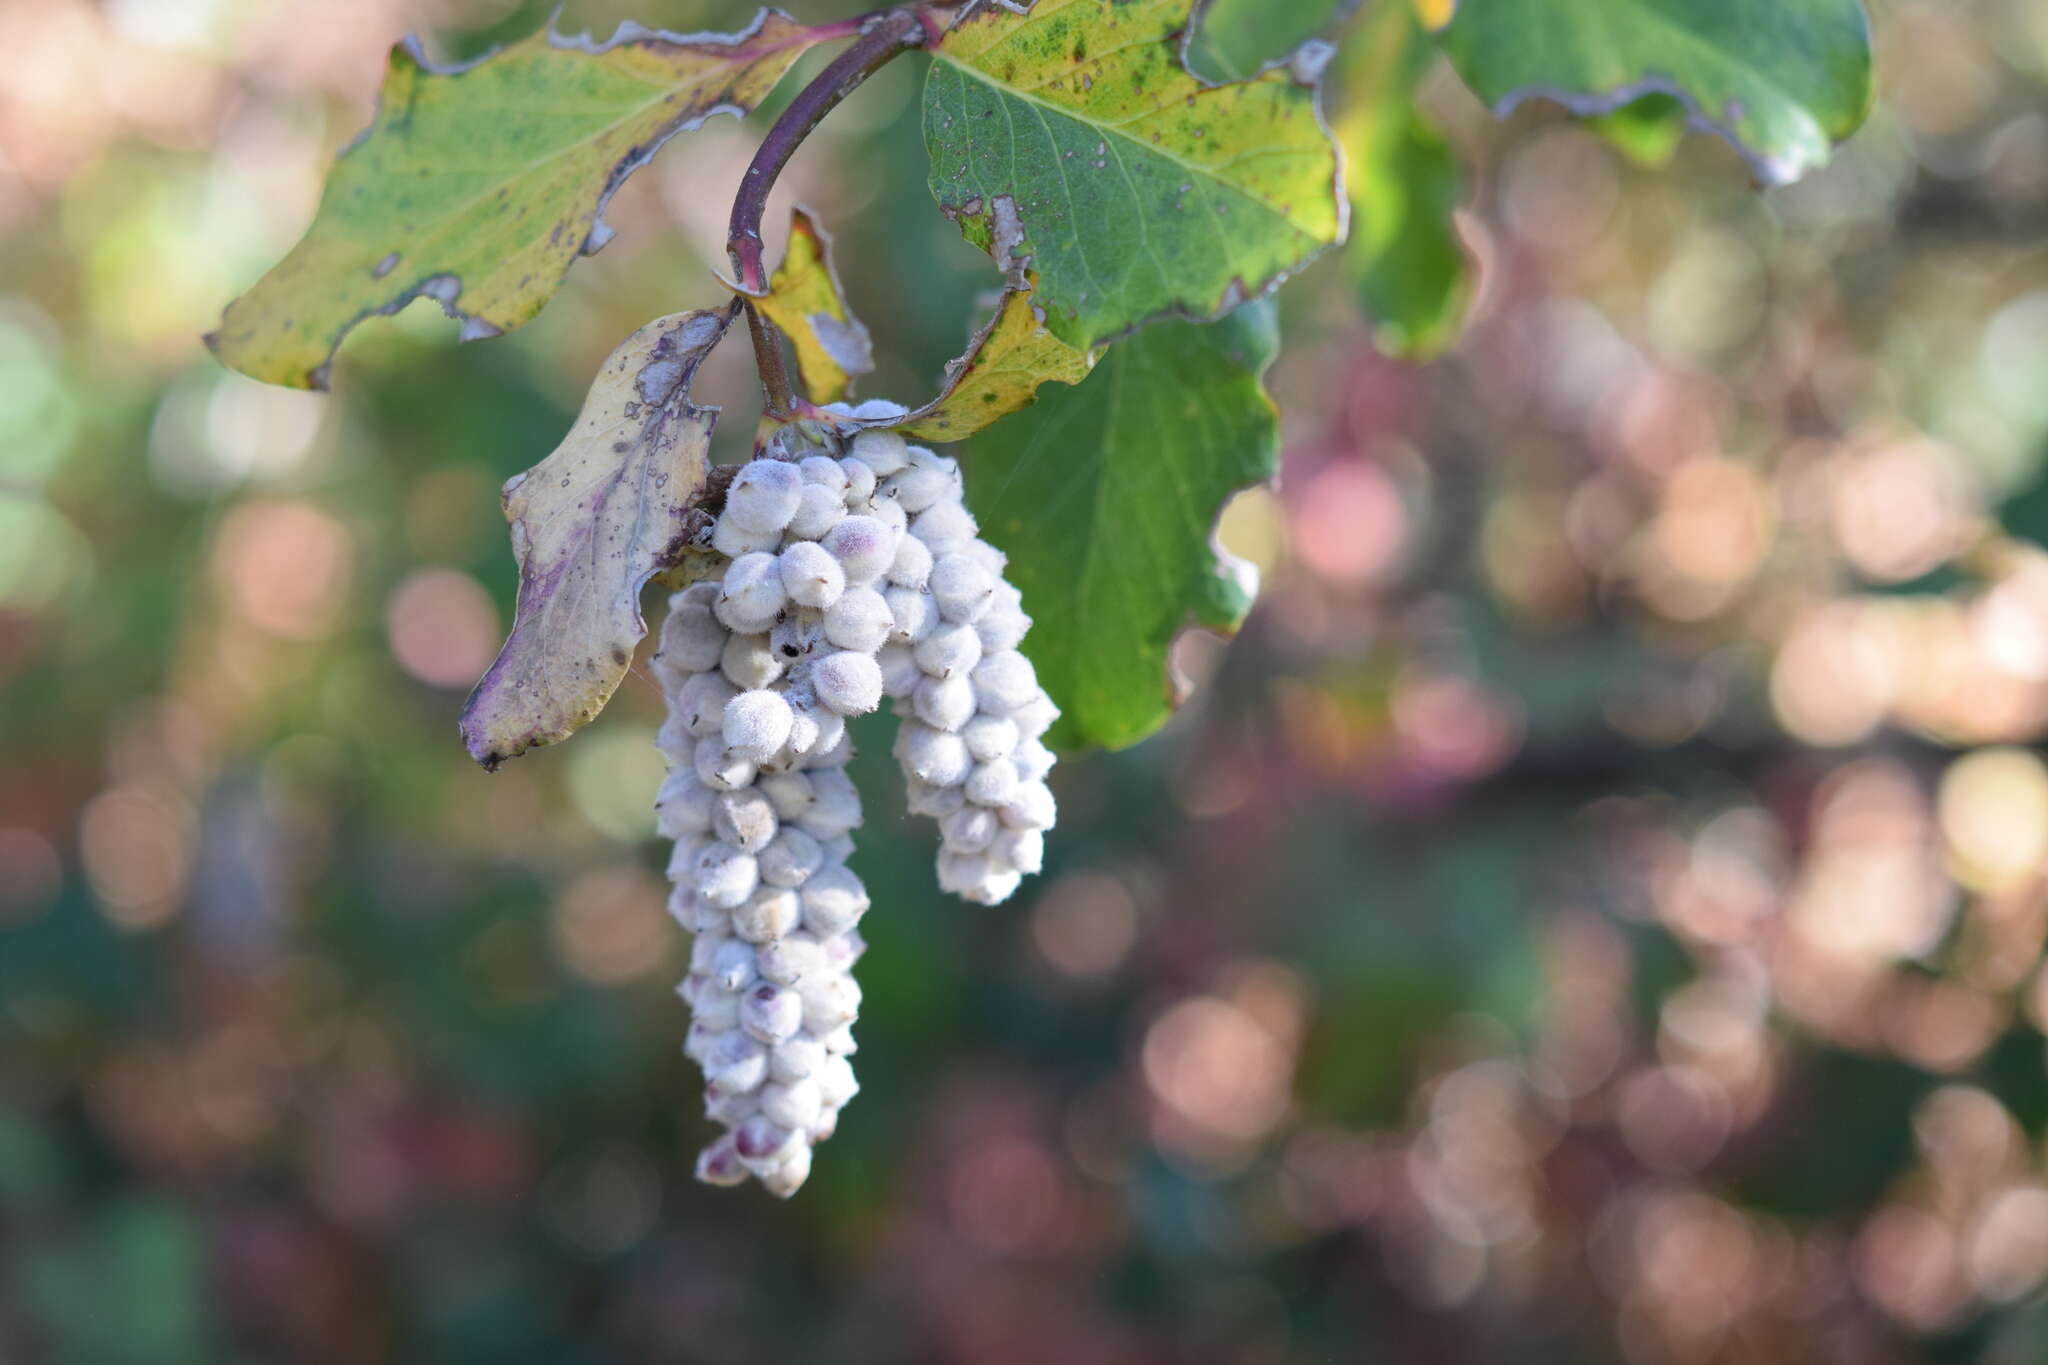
{"type": "Point", "coordinates": [844, 579]}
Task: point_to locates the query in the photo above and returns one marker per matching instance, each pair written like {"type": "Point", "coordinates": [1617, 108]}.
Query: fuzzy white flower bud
{"type": "Point", "coordinates": [762, 496]}
{"type": "Point", "coordinates": [810, 575]}
{"type": "Point", "coordinates": [863, 546]}
{"type": "Point", "coordinates": [860, 482]}
{"type": "Point", "coordinates": [753, 594]}
{"type": "Point", "coordinates": [756, 724]}
{"type": "Point", "coordinates": [818, 511]}
{"type": "Point", "coordinates": [963, 589]}
{"type": "Point", "coordinates": [948, 650]}
{"type": "Point", "coordinates": [912, 567]}
{"type": "Point", "coordinates": [749, 663]}
{"type": "Point", "coordinates": [859, 620]}
{"type": "Point", "coordinates": [849, 683]}
{"type": "Point", "coordinates": [882, 451]}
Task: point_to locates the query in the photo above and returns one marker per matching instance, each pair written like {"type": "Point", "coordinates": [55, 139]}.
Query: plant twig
{"type": "Point", "coordinates": [768, 360]}
{"type": "Point", "coordinates": [889, 34]}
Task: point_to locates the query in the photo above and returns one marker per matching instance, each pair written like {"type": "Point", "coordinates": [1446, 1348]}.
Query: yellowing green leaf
{"type": "Point", "coordinates": [591, 524]}
{"type": "Point", "coordinates": [1000, 373]}
{"type": "Point", "coordinates": [1072, 139]}
{"type": "Point", "coordinates": [478, 186]}
{"type": "Point", "coordinates": [1105, 497]}
{"type": "Point", "coordinates": [1779, 79]}
{"type": "Point", "coordinates": [804, 299]}
{"type": "Point", "coordinates": [1403, 255]}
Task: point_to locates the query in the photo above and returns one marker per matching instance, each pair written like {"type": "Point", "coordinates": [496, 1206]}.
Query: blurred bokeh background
{"type": "Point", "coordinates": [1594, 913]}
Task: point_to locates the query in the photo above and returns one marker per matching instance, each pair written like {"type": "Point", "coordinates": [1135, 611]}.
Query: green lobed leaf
{"type": "Point", "coordinates": [1403, 255]}
{"type": "Point", "coordinates": [1237, 37]}
{"type": "Point", "coordinates": [1780, 79]}
{"type": "Point", "coordinates": [479, 185]}
{"type": "Point", "coordinates": [1105, 497]}
{"type": "Point", "coordinates": [1072, 140]}
{"type": "Point", "coordinates": [602, 514]}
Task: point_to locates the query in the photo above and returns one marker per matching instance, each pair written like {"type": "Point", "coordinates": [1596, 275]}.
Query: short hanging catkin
{"type": "Point", "coordinates": [845, 580]}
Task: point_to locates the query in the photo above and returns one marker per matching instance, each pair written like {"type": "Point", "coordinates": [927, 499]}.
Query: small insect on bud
{"type": "Point", "coordinates": [756, 724]}
{"type": "Point", "coordinates": [762, 496]}
{"type": "Point", "coordinates": [859, 620]}
{"type": "Point", "coordinates": [818, 511]}
{"type": "Point", "coordinates": [770, 1012]}
{"type": "Point", "coordinates": [752, 595]}
{"type": "Point", "coordinates": [882, 451]}
{"type": "Point", "coordinates": [810, 575]}
{"type": "Point", "coordinates": [849, 683]}
{"type": "Point", "coordinates": [863, 546]}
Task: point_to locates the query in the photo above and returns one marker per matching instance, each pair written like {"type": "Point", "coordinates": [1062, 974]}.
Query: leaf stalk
{"type": "Point", "coordinates": [888, 35]}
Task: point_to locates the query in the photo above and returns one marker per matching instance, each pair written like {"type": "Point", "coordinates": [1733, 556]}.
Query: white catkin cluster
{"type": "Point", "coordinates": [972, 710]}
{"type": "Point", "coordinates": [845, 579]}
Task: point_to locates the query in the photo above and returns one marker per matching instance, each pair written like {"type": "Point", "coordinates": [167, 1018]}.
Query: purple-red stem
{"type": "Point", "coordinates": [891, 33]}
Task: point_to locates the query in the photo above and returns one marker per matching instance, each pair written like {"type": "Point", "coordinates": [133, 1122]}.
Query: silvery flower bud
{"type": "Point", "coordinates": [753, 594]}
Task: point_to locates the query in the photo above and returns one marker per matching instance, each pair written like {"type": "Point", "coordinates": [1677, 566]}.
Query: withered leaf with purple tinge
{"type": "Point", "coordinates": [591, 523]}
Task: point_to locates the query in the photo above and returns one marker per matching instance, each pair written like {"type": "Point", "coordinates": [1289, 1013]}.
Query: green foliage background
{"type": "Point", "coordinates": [1340, 1023]}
